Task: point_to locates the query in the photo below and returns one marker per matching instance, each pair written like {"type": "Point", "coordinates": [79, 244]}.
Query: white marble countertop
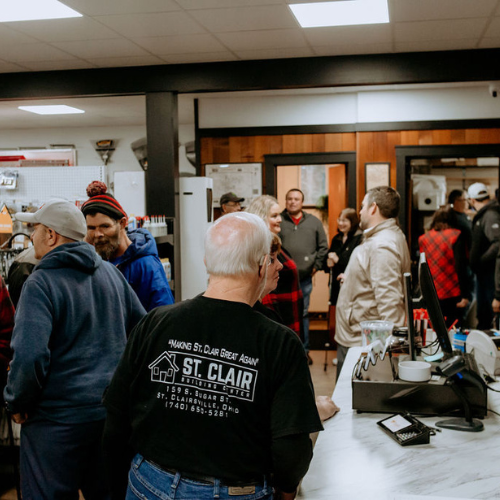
{"type": "Point", "coordinates": [355, 459]}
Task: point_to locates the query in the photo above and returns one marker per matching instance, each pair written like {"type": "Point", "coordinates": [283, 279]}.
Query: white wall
{"type": "Point", "coordinates": [469, 102]}
{"type": "Point", "coordinates": [122, 159]}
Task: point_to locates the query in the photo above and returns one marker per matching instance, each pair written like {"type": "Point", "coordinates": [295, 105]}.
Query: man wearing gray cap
{"type": "Point", "coordinates": [484, 250]}
{"type": "Point", "coordinates": [229, 203]}
{"type": "Point", "coordinates": [71, 326]}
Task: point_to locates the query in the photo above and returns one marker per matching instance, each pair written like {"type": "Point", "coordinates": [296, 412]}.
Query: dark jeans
{"type": "Point", "coordinates": [485, 293]}
{"type": "Point", "coordinates": [306, 286]}
{"type": "Point", "coordinates": [57, 460]}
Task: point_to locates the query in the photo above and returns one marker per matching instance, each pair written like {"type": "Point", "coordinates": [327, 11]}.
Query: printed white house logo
{"type": "Point", "coordinates": [163, 368]}
{"type": "Point", "coordinates": [204, 373]}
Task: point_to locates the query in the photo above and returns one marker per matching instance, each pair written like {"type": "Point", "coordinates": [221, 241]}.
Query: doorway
{"type": "Point", "coordinates": [328, 181]}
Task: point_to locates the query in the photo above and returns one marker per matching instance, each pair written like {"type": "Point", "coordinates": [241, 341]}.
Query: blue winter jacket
{"type": "Point", "coordinates": [143, 269]}
{"type": "Point", "coordinates": [71, 325]}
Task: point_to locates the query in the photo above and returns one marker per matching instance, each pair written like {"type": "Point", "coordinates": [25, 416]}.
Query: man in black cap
{"type": "Point", "coordinates": [230, 203]}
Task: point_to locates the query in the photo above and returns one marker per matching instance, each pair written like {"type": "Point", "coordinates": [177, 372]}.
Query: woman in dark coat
{"type": "Point", "coordinates": [343, 243]}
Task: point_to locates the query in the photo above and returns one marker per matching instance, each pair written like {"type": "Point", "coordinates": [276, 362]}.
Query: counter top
{"type": "Point", "coordinates": [354, 459]}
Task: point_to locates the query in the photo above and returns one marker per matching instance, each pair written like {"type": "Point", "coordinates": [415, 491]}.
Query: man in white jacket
{"type": "Point", "coordinates": [372, 287]}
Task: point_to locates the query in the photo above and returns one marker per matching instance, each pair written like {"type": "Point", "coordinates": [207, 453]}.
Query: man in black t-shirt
{"type": "Point", "coordinates": [211, 397]}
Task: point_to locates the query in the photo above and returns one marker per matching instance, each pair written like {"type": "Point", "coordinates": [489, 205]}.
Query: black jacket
{"type": "Point", "coordinates": [485, 238]}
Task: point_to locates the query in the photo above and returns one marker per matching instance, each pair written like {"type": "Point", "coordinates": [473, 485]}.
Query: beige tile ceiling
{"type": "Point", "coordinates": [141, 32]}
{"type": "Point", "coordinates": [114, 33]}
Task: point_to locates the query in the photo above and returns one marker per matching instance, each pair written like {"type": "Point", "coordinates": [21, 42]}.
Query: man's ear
{"type": "Point", "coordinates": [373, 208]}
{"type": "Point", "coordinates": [51, 237]}
{"type": "Point", "coordinates": [263, 265]}
{"type": "Point", "coordinates": [123, 222]}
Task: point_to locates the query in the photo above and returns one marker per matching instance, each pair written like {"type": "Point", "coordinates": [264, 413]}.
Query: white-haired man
{"type": "Point", "coordinates": [71, 326]}
{"type": "Point", "coordinates": [211, 397]}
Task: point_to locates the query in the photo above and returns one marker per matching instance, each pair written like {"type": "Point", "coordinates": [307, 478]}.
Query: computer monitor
{"type": "Point", "coordinates": [431, 303]}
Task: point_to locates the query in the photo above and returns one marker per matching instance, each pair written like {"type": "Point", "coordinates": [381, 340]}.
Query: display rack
{"type": "Point", "coordinates": [40, 184]}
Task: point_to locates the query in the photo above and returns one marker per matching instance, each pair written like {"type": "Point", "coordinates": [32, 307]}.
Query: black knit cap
{"type": "Point", "coordinates": [101, 202]}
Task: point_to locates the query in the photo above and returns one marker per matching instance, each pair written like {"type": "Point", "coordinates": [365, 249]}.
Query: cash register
{"type": "Point", "coordinates": [377, 386]}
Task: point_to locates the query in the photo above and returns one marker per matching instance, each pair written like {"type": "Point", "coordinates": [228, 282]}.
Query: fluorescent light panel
{"type": "Point", "coordinates": [52, 110]}
{"type": "Point", "coordinates": [31, 10]}
{"type": "Point", "coordinates": [341, 13]}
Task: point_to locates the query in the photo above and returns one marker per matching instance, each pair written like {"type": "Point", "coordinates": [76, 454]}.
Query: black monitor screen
{"type": "Point", "coordinates": [431, 303]}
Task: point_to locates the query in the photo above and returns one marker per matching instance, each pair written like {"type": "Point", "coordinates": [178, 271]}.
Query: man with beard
{"type": "Point", "coordinates": [373, 288]}
{"type": "Point", "coordinates": [134, 252]}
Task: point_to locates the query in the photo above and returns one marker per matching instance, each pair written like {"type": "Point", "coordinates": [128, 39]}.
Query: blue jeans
{"type": "Point", "coordinates": [148, 482]}
{"type": "Point", "coordinates": [56, 460]}
{"type": "Point", "coordinates": [306, 286]}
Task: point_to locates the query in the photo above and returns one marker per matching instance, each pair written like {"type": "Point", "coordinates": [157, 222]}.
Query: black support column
{"type": "Point", "coordinates": [162, 174]}
{"type": "Point", "coordinates": [163, 153]}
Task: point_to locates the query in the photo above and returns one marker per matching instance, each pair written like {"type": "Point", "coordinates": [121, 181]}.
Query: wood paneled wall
{"type": "Point", "coordinates": [369, 146]}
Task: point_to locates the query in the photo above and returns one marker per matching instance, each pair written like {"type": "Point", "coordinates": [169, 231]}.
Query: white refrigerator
{"type": "Point", "coordinates": [195, 217]}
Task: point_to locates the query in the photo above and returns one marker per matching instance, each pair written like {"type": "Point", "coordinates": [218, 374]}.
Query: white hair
{"type": "Point", "coordinates": [236, 244]}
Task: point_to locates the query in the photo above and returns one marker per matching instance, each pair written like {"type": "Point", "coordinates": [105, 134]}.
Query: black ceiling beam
{"type": "Point", "coordinates": [310, 72]}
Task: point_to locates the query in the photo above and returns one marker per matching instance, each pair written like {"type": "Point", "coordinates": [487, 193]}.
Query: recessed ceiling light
{"type": "Point", "coordinates": [52, 110]}
{"type": "Point", "coordinates": [31, 10]}
{"type": "Point", "coordinates": [341, 13]}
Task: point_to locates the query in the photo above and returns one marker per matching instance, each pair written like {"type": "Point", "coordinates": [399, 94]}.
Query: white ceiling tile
{"type": "Point", "coordinates": [108, 62]}
{"type": "Point", "coordinates": [352, 49]}
{"type": "Point", "coordinates": [260, 40]}
{"type": "Point", "coordinates": [58, 30]}
{"type": "Point", "coordinates": [32, 52]}
{"type": "Point", "coordinates": [217, 4]}
{"type": "Point", "coordinates": [102, 48]}
{"type": "Point", "coordinates": [10, 36]}
{"type": "Point", "coordinates": [379, 33]}
{"type": "Point", "coordinates": [144, 25]}
{"type": "Point", "coordinates": [105, 7]}
{"type": "Point", "coordinates": [181, 44]}
{"type": "Point", "coordinates": [199, 58]}
{"type": "Point", "coordinates": [423, 10]}
{"type": "Point", "coordinates": [489, 43]}
{"type": "Point", "coordinates": [427, 46]}
{"type": "Point", "coordinates": [438, 30]}
{"type": "Point", "coordinates": [7, 67]}
{"type": "Point", "coordinates": [246, 18]}
{"type": "Point", "coordinates": [275, 53]}
{"type": "Point", "coordinates": [58, 65]}
{"type": "Point", "coordinates": [494, 28]}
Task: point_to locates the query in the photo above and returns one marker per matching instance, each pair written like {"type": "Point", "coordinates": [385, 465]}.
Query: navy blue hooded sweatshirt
{"type": "Point", "coordinates": [71, 326]}
{"type": "Point", "coordinates": [143, 269]}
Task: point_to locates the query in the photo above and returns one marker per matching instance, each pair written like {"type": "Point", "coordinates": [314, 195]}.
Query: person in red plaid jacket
{"type": "Point", "coordinates": [445, 251]}
{"type": "Point", "coordinates": [286, 300]}
{"type": "Point", "coordinates": [6, 327]}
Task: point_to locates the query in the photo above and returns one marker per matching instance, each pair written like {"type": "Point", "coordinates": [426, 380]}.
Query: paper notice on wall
{"type": "Point", "coordinates": [5, 221]}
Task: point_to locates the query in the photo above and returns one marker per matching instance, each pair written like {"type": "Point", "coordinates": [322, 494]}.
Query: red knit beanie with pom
{"type": "Point", "coordinates": [101, 202]}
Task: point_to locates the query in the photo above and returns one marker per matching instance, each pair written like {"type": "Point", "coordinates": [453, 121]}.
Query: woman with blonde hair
{"type": "Point", "coordinates": [286, 300]}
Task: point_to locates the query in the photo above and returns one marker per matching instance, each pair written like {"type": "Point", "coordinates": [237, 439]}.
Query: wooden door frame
{"type": "Point", "coordinates": [348, 158]}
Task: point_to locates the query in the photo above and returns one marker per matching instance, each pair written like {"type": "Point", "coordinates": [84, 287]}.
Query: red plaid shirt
{"type": "Point", "coordinates": [287, 299]}
{"type": "Point", "coordinates": [438, 248]}
{"type": "Point", "coordinates": [6, 326]}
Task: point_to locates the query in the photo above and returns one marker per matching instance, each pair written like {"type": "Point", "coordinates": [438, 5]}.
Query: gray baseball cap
{"type": "Point", "coordinates": [63, 217]}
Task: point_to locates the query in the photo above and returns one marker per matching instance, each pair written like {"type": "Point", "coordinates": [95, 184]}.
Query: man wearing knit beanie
{"type": "Point", "coordinates": [133, 252]}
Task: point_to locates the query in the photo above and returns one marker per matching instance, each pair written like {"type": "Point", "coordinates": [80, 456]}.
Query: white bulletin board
{"type": "Point", "coordinates": [41, 184]}
{"type": "Point", "coordinates": [243, 179]}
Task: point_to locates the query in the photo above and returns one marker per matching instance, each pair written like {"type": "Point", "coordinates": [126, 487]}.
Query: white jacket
{"type": "Point", "coordinates": [373, 285]}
